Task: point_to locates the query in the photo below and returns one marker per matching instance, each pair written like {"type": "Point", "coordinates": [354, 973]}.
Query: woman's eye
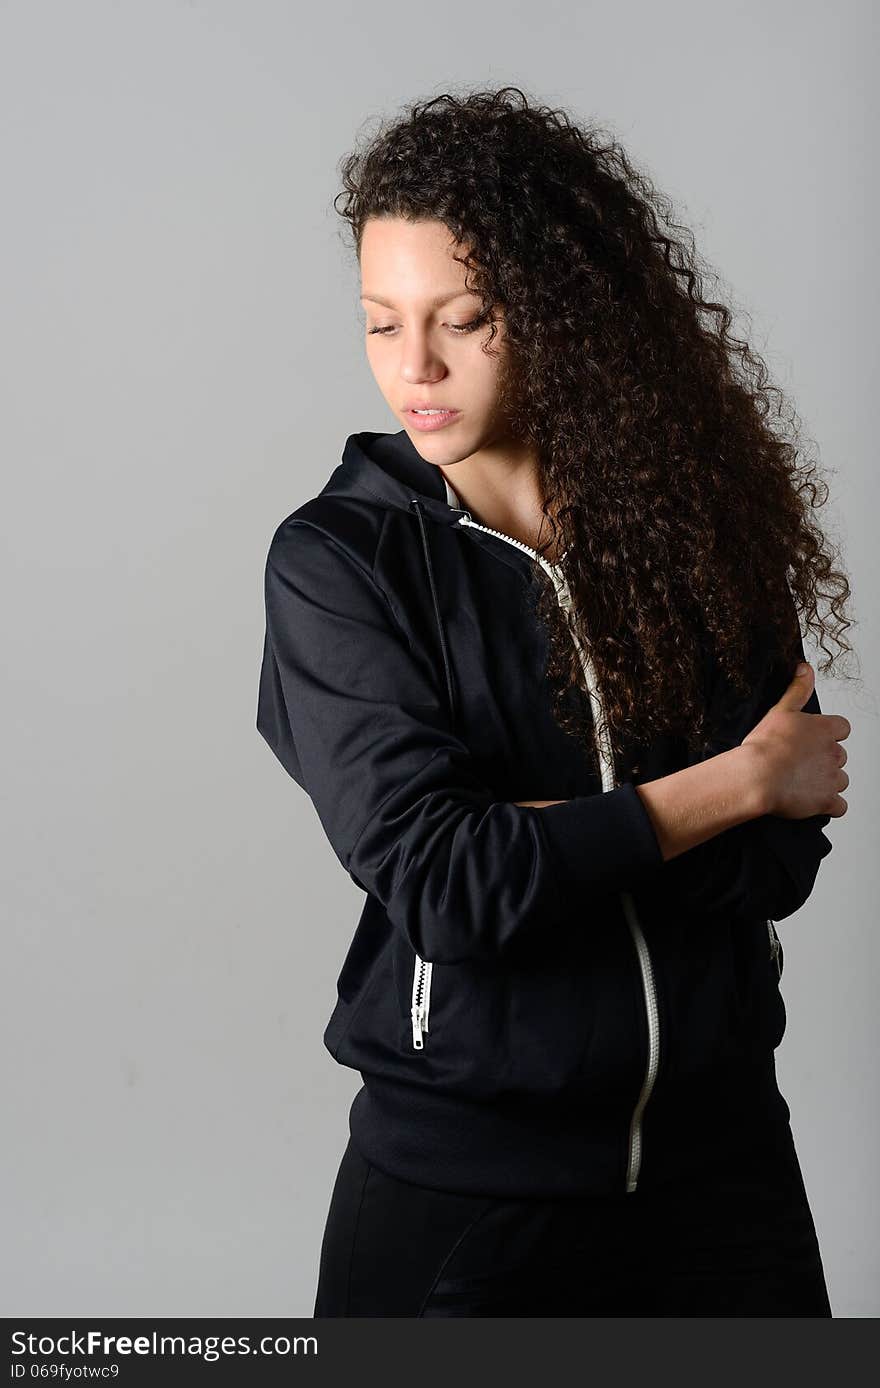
{"type": "Point", "coordinates": [453, 327]}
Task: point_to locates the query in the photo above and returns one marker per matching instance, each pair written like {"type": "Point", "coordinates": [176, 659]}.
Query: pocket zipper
{"type": "Point", "coordinates": [774, 946]}
{"type": "Point", "coordinates": [421, 1000]}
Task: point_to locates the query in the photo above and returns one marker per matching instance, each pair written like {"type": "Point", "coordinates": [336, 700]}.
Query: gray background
{"type": "Point", "coordinates": [182, 361]}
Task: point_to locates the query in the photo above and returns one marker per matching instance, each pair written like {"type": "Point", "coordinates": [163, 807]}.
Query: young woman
{"type": "Point", "coordinates": [534, 658]}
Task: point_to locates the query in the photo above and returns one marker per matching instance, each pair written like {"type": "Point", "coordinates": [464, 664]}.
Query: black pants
{"type": "Point", "coordinates": [736, 1242]}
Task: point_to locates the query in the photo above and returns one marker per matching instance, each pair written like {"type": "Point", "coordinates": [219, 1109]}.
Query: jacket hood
{"type": "Point", "coordinates": [388, 468]}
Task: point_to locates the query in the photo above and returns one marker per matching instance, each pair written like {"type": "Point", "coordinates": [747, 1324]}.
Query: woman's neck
{"type": "Point", "coordinates": [502, 491]}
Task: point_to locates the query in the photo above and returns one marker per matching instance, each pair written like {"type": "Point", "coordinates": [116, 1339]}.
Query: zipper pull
{"type": "Point", "coordinates": [418, 1012]}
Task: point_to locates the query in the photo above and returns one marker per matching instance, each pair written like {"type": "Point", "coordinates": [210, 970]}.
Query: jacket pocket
{"type": "Point", "coordinates": [559, 1019]}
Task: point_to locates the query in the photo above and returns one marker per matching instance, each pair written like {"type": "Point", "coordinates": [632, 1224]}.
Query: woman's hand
{"type": "Point", "coordinates": [798, 755]}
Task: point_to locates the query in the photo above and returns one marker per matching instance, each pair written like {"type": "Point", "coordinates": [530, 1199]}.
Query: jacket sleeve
{"type": "Point", "coordinates": [360, 721]}
{"type": "Point", "coordinates": [767, 866]}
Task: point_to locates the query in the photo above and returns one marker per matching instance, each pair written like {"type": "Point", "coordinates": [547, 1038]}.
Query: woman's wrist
{"type": "Point", "coordinates": [754, 773]}
{"type": "Point", "coordinates": [690, 806]}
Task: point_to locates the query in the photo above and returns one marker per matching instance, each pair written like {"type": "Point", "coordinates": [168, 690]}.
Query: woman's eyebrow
{"type": "Point", "coordinates": [433, 303]}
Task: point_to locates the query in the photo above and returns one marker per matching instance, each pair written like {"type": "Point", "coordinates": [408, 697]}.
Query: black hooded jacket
{"type": "Point", "coordinates": [536, 1002]}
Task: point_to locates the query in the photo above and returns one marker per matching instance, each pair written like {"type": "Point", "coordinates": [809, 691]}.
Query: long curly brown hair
{"type": "Point", "coordinates": [672, 470]}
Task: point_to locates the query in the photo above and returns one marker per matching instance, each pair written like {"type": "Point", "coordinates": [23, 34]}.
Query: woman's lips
{"type": "Point", "coordinates": [427, 423]}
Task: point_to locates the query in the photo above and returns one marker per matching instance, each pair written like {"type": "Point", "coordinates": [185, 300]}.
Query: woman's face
{"type": "Point", "coordinates": [421, 349]}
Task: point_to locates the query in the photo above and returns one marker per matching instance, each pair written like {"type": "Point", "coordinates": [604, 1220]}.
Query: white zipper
{"type": "Point", "coordinates": [421, 1000]}
{"type": "Point", "coordinates": [774, 947]}
{"type": "Point", "coordinates": [609, 781]}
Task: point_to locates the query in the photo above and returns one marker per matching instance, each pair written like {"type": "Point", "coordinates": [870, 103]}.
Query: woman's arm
{"type": "Point", "coordinates": [743, 829]}
{"type": "Point", "coordinates": [767, 865]}
{"type": "Point", "coordinates": [789, 766]}
{"type": "Point", "coordinates": [360, 720]}
{"type": "Point", "coordinates": [690, 806]}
